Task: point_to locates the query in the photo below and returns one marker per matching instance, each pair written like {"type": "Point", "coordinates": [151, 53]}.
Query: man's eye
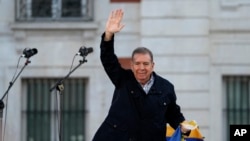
{"type": "Point", "coordinates": [137, 63]}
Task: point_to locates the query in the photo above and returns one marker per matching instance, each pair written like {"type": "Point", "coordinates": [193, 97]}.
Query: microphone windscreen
{"type": "Point", "coordinates": [90, 50]}
{"type": "Point", "coordinates": [34, 50]}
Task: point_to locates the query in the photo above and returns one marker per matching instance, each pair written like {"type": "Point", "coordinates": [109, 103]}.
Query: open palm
{"type": "Point", "coordinates": [114, 24]}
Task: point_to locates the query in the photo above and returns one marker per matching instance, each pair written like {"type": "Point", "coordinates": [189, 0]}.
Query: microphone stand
{"type": "Point", "coordinates": [59, 87]}
{"type": "Point", "coordinates": [1, 101]}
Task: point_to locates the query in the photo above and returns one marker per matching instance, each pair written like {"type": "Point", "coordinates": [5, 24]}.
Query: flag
{"type": "Point", "coordinates": [176, 135]}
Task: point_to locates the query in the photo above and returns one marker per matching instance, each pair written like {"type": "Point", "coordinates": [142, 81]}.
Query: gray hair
{"type": "Point", "coordinates": [142, 50]}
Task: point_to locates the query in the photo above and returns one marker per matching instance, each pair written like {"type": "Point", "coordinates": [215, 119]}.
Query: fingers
{"type": "Point", "coordinates": [117, 14]}
{"type": "Point", "coordinates": [113, 24]}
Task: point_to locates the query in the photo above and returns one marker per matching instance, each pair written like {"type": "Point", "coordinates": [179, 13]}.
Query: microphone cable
{"type": "Point", "coordinates": [72, 63]}
{"type": "Point", "coordinates": [59, 101]}
{"type": "Point", "coordinates": [6, 105]}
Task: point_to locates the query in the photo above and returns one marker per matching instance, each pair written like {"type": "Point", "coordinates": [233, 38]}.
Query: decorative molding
{"type": "Point", "coordinates": [54, 26]}
{"type": "Point", "coordinates": [230, 25]}
{"type": "Point", "coordinates": [20, 30]}
{"type": "Point", "coordinates": [234, 3]}
{"type": "Point", "coordinates": [125, 1]}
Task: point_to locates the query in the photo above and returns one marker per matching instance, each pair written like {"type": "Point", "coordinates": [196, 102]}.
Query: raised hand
{"type": "Point", "coordinates": [113, 24]}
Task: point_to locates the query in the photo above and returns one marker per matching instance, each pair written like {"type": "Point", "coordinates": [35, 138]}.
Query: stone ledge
{"type": "Point", "coordinates": [233, 3]}
{"type": "Point", "coordinates": [230, 25]}
{"type": "Point", "coordinates": [54, 26]}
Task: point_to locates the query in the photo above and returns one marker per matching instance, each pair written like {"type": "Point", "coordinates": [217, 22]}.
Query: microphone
{"type": "Point", "coordinates": [84, 51]}
{"type": "Point", "coordinates": [27, 52]}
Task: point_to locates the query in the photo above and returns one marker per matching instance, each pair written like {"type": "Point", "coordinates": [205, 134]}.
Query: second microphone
{"type": "Point", "coordinates": [84, 51]}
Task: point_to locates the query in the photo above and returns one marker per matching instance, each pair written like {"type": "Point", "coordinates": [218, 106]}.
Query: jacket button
{"type": "Point", "coordinates": [164, 103]}
{"type": "Point", "coordinates": [131, 92]}
{"type": "Point", "coordinates": [114, 125]}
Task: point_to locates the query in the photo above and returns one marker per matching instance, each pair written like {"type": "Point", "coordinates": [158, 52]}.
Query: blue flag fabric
{"type": "Point", "coordinates": [176, 136]}
{"type": "Point", "coordinates": [194, 135]}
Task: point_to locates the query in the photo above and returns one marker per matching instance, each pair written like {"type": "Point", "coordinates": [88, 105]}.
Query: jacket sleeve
{"type": "Point", "coordinates": [110, 61]}
{"type": "Point", "coordinates": [174, 114]}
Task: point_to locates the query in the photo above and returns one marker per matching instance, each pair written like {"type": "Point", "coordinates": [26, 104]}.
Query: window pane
{"type": "Point", "coordinates": [71, 8]}
{"type": "Point", "coordinates": [237, 100]}
{"type": "Point", "coordinates": [41, 111]}
{"type": "Point", "coordinates": [73, 110]}
{"type": "Point", "coordinates": [54, 10]}
{"type": "Point", "coordinates": [41, 8]}
{"type": "Point", "coordinates": [38, 111]}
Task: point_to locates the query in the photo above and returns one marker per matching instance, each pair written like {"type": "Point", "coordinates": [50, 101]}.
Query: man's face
{"type": "Point", "coordinates": [142, 67]}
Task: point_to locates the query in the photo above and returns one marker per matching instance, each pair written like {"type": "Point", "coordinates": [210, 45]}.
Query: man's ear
{"type": "Point", "coordinates": [153, 64]}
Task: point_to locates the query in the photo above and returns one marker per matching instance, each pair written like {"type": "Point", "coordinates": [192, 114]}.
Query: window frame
{"type": "Point", "coordinates": [56, 14]}
{"type": "Point", "coordinates": [233, 86]}
{"type": "Point", "coordinates": [54, 103]}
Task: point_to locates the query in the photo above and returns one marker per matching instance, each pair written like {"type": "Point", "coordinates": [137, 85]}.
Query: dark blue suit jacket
{"type": "Point", "coordinates": [135, 115]}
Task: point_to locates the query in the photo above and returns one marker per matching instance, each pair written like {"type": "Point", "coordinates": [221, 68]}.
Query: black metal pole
{"type": "Point", "coordinates": [58, 83]}
{"type": "Point", "coordinates": [59, 87]}
{"type": "Point", "coordinates": [7, 91]}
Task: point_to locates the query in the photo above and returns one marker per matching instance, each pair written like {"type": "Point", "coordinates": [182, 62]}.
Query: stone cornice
{"type": "Point", "coordinates": [54, 26]}
{"type": "Point", "coordinates": [230, 25]}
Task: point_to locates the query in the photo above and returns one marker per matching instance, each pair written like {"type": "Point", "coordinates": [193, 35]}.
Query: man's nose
{"type": "Point", "coordinates": [141, 66]}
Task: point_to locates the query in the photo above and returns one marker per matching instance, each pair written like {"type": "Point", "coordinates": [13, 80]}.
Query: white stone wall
{"type": "Point", "coordinates": [229, 54]}
{"type": "Point", "coordinates": [180, 41]}
{"type": "Point", "coordinates": [195, 43]}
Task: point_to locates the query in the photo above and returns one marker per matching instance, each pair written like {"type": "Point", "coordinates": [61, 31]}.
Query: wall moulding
{"type": "Point", "coordinates": [125, 0]}
{"type": "Point", "coordinates": [234, 3]}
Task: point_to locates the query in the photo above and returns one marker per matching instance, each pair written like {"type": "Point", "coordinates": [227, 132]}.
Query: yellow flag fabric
{"type": "Point", "coordinates": [176, 135]}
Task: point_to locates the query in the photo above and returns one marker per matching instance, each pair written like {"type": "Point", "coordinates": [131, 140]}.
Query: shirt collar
{"type": "Point", "coordinates": [148, 84]}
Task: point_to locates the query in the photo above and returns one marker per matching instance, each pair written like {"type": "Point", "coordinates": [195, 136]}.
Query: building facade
{"type": "Point", "coordinates": [201, 46]}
